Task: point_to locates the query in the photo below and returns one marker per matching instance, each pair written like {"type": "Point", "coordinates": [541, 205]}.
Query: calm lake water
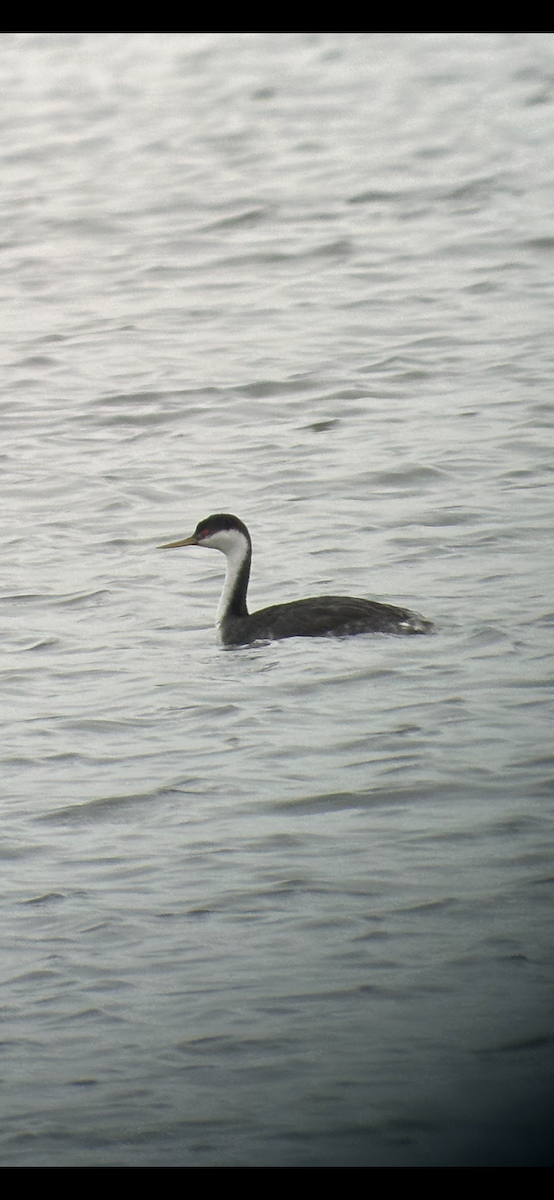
{"type": "Point", "coordinates": [291, 904]}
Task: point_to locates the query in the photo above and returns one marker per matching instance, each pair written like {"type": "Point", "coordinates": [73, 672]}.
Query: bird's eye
{"type": "Point", "coordinates": [205, 533]}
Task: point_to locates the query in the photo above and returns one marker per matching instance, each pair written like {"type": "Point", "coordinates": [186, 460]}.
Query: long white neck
{"type": "Point", "coordinates": [237, 551]}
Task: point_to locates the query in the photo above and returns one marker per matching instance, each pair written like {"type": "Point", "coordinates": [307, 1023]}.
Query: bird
{"type": "Point", "coordinates": [316, 616]}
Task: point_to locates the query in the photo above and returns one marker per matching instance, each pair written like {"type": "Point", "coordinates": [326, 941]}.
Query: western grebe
{"type": "Point", "coordinates": [317, 616]}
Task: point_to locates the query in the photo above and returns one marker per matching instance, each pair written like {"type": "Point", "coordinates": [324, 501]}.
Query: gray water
{"type": "Point", "coordinates": [288, 905]}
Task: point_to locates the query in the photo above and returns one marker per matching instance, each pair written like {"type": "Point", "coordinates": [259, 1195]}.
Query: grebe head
{"type": "Point", "coordinates": [218, 532]}
{"type": "Point", "coordinates": [228, 534]}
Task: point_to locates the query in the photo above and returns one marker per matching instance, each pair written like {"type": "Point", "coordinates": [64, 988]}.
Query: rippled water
{"type": "Point", "coordinates": [289, 904]}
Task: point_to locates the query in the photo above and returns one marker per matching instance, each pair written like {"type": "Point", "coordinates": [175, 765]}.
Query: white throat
{"type": "Point", "coordinates": [234, 546]}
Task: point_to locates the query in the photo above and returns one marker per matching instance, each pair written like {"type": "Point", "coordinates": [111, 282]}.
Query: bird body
{"type": "Point", "coordinates": [316, 616]}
